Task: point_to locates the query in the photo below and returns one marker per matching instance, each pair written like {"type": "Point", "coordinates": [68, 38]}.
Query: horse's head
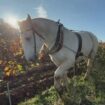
{"type": "Point", "coordinates": [31, 43]}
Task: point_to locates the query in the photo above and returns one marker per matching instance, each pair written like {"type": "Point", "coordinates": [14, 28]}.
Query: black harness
{"type": "Point", "coordinates": [79, 53]}
{"type": "Point", "coordinates": [59, 40]}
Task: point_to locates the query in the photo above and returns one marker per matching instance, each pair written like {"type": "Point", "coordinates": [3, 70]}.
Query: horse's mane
{"type": "Point", "coordinates": [44, 19]}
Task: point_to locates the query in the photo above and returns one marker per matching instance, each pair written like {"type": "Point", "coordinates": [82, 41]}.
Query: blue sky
{"type": "Point", "coordinates": [74, 14]}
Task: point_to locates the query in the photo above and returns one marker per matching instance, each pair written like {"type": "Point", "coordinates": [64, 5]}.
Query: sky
{"type": "Point", "coordinates": [79, 15]}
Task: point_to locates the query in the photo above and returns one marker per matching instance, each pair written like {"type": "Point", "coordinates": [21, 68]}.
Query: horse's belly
{"type": "Point", "coordinates": [59, 57]}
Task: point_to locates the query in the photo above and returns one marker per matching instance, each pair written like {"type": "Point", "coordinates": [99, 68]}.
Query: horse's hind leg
{"type": "Point", "coordinates": [89, 68]}
{"type": "Point", "coordinates": [60, 76]}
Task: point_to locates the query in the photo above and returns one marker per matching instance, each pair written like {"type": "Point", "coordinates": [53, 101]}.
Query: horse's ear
{"type": "Point", "coordinates": [28, 18]}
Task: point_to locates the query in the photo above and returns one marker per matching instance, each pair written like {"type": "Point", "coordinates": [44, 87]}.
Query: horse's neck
{"type": "Point", "coordinates": [47, 29]}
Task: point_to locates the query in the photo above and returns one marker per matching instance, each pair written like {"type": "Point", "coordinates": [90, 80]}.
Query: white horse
{"type": "Point", "coordinates": [64, 46]}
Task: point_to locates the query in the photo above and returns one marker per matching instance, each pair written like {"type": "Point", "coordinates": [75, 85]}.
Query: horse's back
{"type": "Point", "coordinates": [89, 41]}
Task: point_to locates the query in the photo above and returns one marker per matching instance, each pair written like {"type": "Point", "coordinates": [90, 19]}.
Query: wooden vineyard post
{"type": "Point", "coordinates": [9, 96]}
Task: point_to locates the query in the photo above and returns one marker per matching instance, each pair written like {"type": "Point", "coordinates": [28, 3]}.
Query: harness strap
{"type": "Point", "coordinates": [92, 45]}
{"type": "Point", "coordinates": [79, 53]}
{"type": "Point", "coordinates": [59, 40]}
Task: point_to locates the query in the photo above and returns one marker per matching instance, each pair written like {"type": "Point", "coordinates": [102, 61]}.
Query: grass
{"type": "Point", "coordinates": [47, 97]}
{"type": "Point", "coordinates": [81, 92]}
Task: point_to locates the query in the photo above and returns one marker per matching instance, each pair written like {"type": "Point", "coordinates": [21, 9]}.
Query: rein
{"type": "Point", "coordinates": [34, 44]}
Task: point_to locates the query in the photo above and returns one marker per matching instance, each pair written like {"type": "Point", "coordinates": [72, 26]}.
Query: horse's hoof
{"type": "Point", "coordinates": [86, 77]}
{"type": "Point", "coordinates": [61, 91]}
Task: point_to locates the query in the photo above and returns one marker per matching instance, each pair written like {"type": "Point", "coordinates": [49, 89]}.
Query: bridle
{"type": "Point", "coordinates": [34, 37]}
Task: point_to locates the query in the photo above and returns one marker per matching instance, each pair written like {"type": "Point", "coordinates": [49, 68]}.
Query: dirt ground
{"type": "Point", "coordinates": [26, 85]}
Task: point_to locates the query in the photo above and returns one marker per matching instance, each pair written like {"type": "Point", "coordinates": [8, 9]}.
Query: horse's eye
{"type": "Point", "coordinates": [28, 38]}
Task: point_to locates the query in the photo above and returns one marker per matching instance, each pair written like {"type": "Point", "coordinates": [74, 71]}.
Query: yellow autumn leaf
{"type": "Point", "coordinates": [7, 73]}
{"type": "Point", "coordinates": [20, 68]}
{"type": "Point", "coordinates": [1, 61]}
{"type": "Point", "coordinates": [10, 62]}
{"type": "Point", "coordinates": [13, 72]}
{"type": "Point", "coordinates": [6, 69]}
{"type": "Point", "coordinates": [10, 72]}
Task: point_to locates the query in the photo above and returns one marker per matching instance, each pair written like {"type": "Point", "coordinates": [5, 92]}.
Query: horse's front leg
{"type": "Point", "coordinates": [60, 76]}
